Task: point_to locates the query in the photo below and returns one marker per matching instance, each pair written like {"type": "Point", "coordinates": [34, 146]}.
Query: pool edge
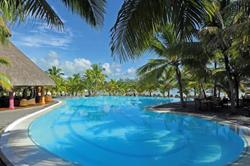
{"type": "Point", "coordinates": [15, 139]}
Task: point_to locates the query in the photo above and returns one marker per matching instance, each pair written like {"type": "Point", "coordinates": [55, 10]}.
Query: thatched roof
{"type": "Point", "coordinates": [22, 71]}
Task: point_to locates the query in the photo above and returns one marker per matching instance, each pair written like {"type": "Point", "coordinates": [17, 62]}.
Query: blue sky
{"type": "Point", "coordinates": [77, 47]}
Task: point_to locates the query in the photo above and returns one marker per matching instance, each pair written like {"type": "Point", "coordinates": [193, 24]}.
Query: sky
{"type": "Point", "coordinates": [76, 47]}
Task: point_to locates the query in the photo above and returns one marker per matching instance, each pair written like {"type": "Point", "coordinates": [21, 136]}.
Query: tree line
{"type": "Point", "coordinates": [94, 82]}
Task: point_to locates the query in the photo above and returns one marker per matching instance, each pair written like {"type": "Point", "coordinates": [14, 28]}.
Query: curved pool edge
{"type": "Point", "coordinates": [16, 151]}
{"type": "Point", "coordinates": [17, 148]}
{"type": "Point", "coordinates": [244, 158]}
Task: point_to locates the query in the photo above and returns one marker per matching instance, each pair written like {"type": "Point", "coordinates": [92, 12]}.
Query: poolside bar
{"type": "Point", "coordinates": [25, 76]}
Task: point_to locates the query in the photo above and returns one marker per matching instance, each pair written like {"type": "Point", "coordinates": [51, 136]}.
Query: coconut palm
{"type": "Point", "coordinates": [172, 52]}
{"type": "Point", "coordinates": [55, 72]}
{"type": "Point", "coordinates": [75, 84]}
{"type": "Point", "coordinates": [94, 79]}
{"type": "Point", "coordinates": [226, 36]}
{"type": "Point", "coordinates": [145, 84]}
{"type": "Point", "coordinates": [166, 82]}
{"type": "Point", "coordinates": [112, 87]}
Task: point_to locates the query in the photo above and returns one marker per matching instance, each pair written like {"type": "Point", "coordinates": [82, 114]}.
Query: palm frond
{"type": "Point", "coordinates": [40, 9]}
{"type": "Point", "coordinates": [139, 20]}
{"type": "Point", "coordinates": [91, 10]}
{"type": "Point", "coordinates": [189, 15]}
{"type": "Point", "coordinates": [12, 10]}
{"type": "Point", "coordinates": [169, 35]}
{"type": "Point", "coordinates": [236, 6]}
{"type": "Point", "coordinates": [5, 82]}
{"type": "Point", "coordinates": [193, 51]}
{"type": "Point", "coordinates": [4, 31]}
{"type": "Point", "coordinates": [153, 64]}
{"type": "Point", "coordinates": [218, 73]}
{"type": "Point", "coordinates": [158, 47]}
{"type": "Point", "coordinates": [136, 22]}
{"type": "Point", "coordinates": [4, 61]}
{"type": "Point", "coordinates": [17, 10]}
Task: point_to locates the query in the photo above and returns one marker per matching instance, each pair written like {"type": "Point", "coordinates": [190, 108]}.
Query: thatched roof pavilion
{"type": "Point", "coordinates": [22, 71]}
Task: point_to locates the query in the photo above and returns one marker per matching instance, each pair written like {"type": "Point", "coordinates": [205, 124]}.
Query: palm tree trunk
{"type": "Point", "coordinates": [195, 92]}
{"type": "Point", "coordinates": [237, 84]}
{"type": "Point", "coordinates": [179, 80]}
{"type": "Point", "coordinates": [230, 81]}
{"type": "Point", "coordinates": [215, 81]}
{"type": "Point", "coordinates": [168, 93]}
{"type": "Point", "coordinates": [203, 91]}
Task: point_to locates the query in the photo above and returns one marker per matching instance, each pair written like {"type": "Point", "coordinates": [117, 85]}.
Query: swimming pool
{"type": "Point", "coordinates": [112, 131]}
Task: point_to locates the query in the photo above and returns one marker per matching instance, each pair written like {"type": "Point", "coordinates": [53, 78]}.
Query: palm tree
{"type": "Point", "coordinates": [166, 82]}
{"type": "Point", "coordinates": [172, 51]}
{"type": "Point", "coordinates": [139, 20]}
{"type": "Point", "coordinates": [94, 79]}
{"type": "Point", "coordinates": [225, 35]}
{"type": "Point", "coordinates": [112, 87]}
{"type": "Point", "coordinates": [4, 79]}
{"type": "Point", "coordinates": [75, 84]}
{"type": "Point", "coordinates": [55, 72]}
{"type": "Point", "coordinates": [146, 84]}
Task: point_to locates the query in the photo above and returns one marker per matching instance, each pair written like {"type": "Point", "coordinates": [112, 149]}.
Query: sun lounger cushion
{"type": "Point", "coordinates": [32, 102]}
{"type": "Point", "coordinates": [48, 99]}
{"type": "Point", "coordinates": [24, 103]}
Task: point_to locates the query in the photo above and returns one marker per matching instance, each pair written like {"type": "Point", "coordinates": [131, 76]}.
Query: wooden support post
{"type": "Point", "coordinates": [42, 96]}
{"type": "Point", "coordinates": [11, 100]}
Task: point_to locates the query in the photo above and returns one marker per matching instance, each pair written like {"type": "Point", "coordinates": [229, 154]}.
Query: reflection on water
{"type": "Point", "coordinates": [111, 131]}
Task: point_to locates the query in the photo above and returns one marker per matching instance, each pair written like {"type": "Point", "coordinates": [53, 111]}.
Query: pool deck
{"type": "Point", "coordinates": [17, 148]}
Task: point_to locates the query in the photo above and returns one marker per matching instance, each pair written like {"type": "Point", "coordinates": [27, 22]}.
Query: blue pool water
{"type": "Point", "coordinates": [119, 131]}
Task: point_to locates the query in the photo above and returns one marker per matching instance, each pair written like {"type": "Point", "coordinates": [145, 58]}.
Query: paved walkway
{"type": "Point", "coordinates": [238, 117]}
{"type": "Point", "coordinates": [9, 116]}
{"type": "Point", "coordinates": [16, 147]}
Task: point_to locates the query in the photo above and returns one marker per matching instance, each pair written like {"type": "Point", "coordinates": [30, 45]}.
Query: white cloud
{"type": "Point", "coordinates": [52, 59]}
{"type": "Point", "coordinates": [131, 73]}
{"type": "Point", "coordinates": [44, 41]}
{"type": "Point", "coordinates": [115, 71]}
{"type": "Point", "coordinates": [131, 70]}
{"type": "Point", "coordinates": [44, 36]}
{"type": "Point", "coordinates": [79, 65]}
